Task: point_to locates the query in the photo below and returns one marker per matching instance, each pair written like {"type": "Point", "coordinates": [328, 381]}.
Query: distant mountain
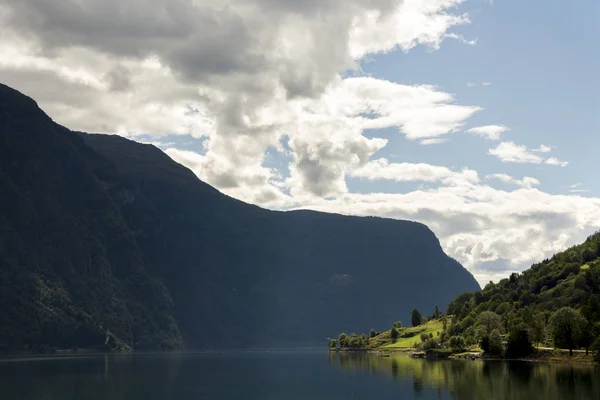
{"type": "Point", "coordinates": [101, 233]}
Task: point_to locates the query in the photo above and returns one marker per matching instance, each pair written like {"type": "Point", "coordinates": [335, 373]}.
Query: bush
{"type": "Point", "coordinates": [373, 333]}
{"type": "Point", "coordinates": [457, 343]}
{"type": "Point", "coordinates": [429, 344]}
{"type": "Point", "coordinates": [394, 334]}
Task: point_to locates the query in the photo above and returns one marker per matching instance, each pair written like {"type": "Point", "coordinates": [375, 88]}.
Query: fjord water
{"type": "Point", "coordinates": [287, 375]}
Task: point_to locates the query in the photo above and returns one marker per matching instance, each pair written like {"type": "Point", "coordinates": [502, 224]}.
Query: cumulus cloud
{"type": "Point", "coordinates": [490, 132]}
{"type": "Point", "coordinates": [250, 75]}
{"type": "Point", "coordinates": [242, 73]}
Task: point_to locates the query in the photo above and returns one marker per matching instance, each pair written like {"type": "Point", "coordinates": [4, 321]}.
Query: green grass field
{"type": "Point", "coordinates": [408, 336]}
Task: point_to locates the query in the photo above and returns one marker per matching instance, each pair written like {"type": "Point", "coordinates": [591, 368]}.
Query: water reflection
{"type": "Point", "coordinates": [482, 379]}
{"type": "Point", "coordinates": [288, 376]}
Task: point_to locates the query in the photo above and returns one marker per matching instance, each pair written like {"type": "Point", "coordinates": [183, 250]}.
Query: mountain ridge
{"type": "Point", "coordinates": [184, 264]}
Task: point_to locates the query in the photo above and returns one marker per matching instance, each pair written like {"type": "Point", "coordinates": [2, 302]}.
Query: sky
{"type": "Point", "coordinates": [479, 118]}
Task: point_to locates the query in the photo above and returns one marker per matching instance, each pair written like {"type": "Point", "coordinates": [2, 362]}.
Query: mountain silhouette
{"type": "Point", "coordinates": [102, 234]}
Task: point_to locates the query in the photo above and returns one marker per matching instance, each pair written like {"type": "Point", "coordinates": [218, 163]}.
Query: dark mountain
{"type": "Point", "coordinates": [101, 233]}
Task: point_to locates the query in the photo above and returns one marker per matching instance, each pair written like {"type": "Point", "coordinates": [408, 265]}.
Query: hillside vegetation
{"type": "Point", "coordinates": [554, 304]}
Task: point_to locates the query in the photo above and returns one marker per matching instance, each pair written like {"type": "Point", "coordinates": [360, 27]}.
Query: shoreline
{"type": "Point", "coordinates": [543, 356]}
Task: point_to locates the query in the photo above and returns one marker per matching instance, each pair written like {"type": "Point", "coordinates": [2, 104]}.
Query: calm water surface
{"type": "Point", "coordinates": [286, 375]}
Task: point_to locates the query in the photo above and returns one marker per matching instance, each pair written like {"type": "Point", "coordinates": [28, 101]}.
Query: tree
{"type": "Point", "coordinates": [355, 341]}
{"type": "Point", "coordinates": [567, 326]}
{"type": "Point", "coordinates": [416, 318]}
{"type": "Point", "coordinates": [343, 340]}
{"type": "Point", "coordinates": [519, 344]}
{"type": "Point", "coordinates": [373, 333]}
{"type": "Point", "coordinates": [495, 346]}
{"type": "Point", "coordinates": [457, 343]}
{"type": "Point", "coordinates": [397, 325]}
{"type": "Point", "coordinates": [588, 255]}
{"type": "Point", "coordinates": [587, 337]}
{"type": "Point", "coordinates": [444, 322]}
{"type": "Point", "coordinates": [596, 350]}
{"type": "Point", "coordinates": [484, 343]}
{"type": "Point", "coordinates": [333, 344]}
{"type": "Point", "coordinates": [394, 334]}
{"type": "Point", "coordinates": [538, 325]}
{"type": "Point", "coordinates": [487, 321]}
{"type": "Point", "coordinates": [436, 312]}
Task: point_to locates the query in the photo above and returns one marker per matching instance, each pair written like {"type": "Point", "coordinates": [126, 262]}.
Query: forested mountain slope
{"type": "Point", "coordinates": [101, 233]}
{"type": "Point", "coordinates": [568, 279]}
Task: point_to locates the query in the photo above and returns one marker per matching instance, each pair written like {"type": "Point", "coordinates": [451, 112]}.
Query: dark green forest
{"type": "Point", "coordinates": [554, 303]}
{"type": "Point", "coordinates": [551, 307]}
{"type": "Point", "coordinates": [106, 243]}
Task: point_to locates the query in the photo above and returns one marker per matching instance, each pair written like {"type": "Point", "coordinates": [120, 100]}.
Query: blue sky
{"type": "Point", "coordinates": [330, 104]}
{"type": "Point", "coordinates": [541, 61]}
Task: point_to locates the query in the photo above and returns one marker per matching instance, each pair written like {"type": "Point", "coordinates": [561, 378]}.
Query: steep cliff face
{"type": "Point", "coordinates": [70, 267]}
{"type": "Point", "coordinates": [99, 232]}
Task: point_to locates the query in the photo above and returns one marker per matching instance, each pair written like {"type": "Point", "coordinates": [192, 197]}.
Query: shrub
{"type": "Point", "coordinates": [457, 343]}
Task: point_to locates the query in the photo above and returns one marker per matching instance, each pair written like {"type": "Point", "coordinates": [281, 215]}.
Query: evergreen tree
{"type": "Point", "coordinates": [416, 318]}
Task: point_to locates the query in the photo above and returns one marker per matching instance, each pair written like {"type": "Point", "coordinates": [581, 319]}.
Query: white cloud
{"type": "Point", "coordinates": [487, 84]}
{"type": "Point", "coordinates": [478, 225]}
{"type": "Point", "coordinates": [254, 183]}
{"type": "Point", "coordinates": [247, 74]}
{"type": "Point", "coordinates": [428, 142]}
{"type": "Point", "coordinates": [406, 172]}
{"type": "Point", "coordinates": [490, 132]}
{"type": "Point", "coordinates": [526, 182]}
{"type": "Point", "coordinates": [556, 161]}
{"type": "Point", "coordinates": [513, 153]}
{"type": "Point", "coordinates": [411, 23]}
{"type": "Point", "coordinates": [242, 73]}
{"type": "Point", "coordinates": [470, 84]}
{"type": "Point", "coordinates": [543, 149]}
